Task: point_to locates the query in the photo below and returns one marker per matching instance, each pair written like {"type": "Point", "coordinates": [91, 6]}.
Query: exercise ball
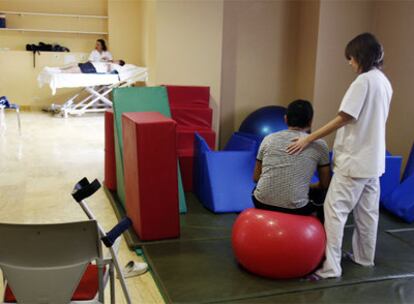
{"type": "Point", "coordinates": [278, 245]}
{"type": "Point", "coordinates": [264, 121]}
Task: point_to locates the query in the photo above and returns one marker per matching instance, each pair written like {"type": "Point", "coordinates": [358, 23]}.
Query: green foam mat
{"type": "Point", "coordinates": [139, 99]}
{"type": "Point", "coordinates": [197, 224]}
{"type": "Point", "coordinates": [206, 272]}
{"type": "Point", "coordinates": [380, 292]}
{"type": "Point", "coordinates": [120, 184]}
{"type": "Point", "coordinates": [405, 235]}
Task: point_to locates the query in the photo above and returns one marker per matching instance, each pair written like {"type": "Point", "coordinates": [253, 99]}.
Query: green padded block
{"type": "Point", "coordinates": [120, 185]}
{"type": "Point", "coordinates": [139, 99]}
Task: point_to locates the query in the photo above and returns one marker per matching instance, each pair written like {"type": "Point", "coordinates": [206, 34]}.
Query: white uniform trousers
{"type": "Point", "coordinates": [344, 195]}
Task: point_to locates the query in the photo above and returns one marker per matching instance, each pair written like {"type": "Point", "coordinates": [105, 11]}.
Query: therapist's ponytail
{"type": "Point", "coordinates": [366, 51]}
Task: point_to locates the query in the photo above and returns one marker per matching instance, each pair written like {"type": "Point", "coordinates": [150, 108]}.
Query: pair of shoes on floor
{"type": "Point", "coordinates": [313, 277]}
{"type": "Point", "coordinates": [347, 255]}
{"type": "Point", "coordinates": [133, 269]}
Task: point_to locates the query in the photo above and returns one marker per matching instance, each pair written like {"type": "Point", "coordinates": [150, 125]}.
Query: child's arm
{"type": "Point", "coordinates": [301, 143]}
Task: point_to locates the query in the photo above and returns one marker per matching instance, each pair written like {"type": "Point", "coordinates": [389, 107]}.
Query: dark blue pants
{"type": "Point", "coordinates": [316, 199]}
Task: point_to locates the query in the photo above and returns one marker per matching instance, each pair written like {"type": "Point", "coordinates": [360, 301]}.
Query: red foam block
{"type": "Point", "coordinates": [150, 169]}
{"type": "Point", "coordinates": [185, 138]}
{"type": "Point", "coordinates": [110, 163]}
{"type": "Point", "coordinates": [192, 117]}
{"type": "Point", "coordinates": [193, 96]}
{"type": "Point", "coordinates": [186, 159]}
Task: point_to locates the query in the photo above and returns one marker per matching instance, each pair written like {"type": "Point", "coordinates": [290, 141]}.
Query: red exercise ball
{"type": "Point", "coordinates": [278, 245]}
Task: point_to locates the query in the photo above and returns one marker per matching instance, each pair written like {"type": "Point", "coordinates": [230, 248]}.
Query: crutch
{"type": "Point", "coordinates": [84, 189]}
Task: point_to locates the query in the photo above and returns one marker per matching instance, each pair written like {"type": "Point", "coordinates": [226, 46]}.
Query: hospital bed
{"type": "Point", "coordinates": [96, 86]}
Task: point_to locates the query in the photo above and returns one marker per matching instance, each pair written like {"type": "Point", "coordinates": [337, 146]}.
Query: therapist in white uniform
{"type": "Point", "coordinates": [359, 157]}
{"type": "Point", "coordinates": [100, 53]}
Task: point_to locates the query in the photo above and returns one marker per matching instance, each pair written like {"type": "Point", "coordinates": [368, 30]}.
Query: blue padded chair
{"type": "Point", "coordinates": [390, 180]}
{"type": "Point", "coordinates": [409, 168]}
{"type": "Point", "coordinates": [5, 104]}
{"type": "Point", "coordinates": [241, 142]}
{"type": "Point", "coordinates": [401, 201]}
{"type": "Point", "coordinates": [224, 179]}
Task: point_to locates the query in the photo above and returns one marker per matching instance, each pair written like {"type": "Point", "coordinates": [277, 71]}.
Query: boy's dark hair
{"type": "Point", "coordinates": [121, 62]}
{"type": "Point", "coordinates": [367, 52]}
{"type": "Point", "coordinates": [103, 44]}
{"type": "Point", "coordinates": [299, 114]}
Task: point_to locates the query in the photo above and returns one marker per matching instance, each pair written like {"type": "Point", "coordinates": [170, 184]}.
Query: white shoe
{"type": "Point", "coordinates": [133, 269]}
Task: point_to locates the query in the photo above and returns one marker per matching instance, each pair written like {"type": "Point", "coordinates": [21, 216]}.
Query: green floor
{"type": "Point", "coordinates": [200, 267]}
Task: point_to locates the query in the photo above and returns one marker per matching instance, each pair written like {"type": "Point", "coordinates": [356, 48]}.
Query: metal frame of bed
{"type": "Point", "coordinates": [97, 99]}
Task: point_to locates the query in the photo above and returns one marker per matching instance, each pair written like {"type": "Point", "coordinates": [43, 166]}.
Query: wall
{"type": "Point", "coordinates": [125, 32]}
{"type": "Point", "coordinates": [339, 22]}
{"type": "Point", "coordinates": [18, 40]}
{"type": "Point", "coordinates": [394, 26]}
{"type": "Point", "coordinates": [148, 38]}
{"type": "Point", "coordinates": [259, 64]}
{"type": "Point", "coordinates": [18, 78]}
{"type": "Point", "coordinates": [188, 39]}
{"type": "Point", "coordinates": [308, 23]}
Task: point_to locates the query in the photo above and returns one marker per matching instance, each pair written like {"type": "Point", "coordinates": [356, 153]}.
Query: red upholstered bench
{"type": "Point", "coordinates": [185, 137]}
{"type": "Point", "coordinates": [186, 158]}
{"type": "Point", "coordinates": [110, 164]}
{"type": "Point", "coordinates": [150, 170]}
{"type": "Point", "coordinates": [190, 109]}
{"type": "Point", "coordinates": [192, 96]}
{"type": "Point", "coordinates": [185, 143]}
{"type": "Point", "coordinates": [192, 117]}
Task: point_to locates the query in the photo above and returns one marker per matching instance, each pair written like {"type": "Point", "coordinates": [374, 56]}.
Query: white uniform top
{"type": "Point", "coordinates": [96, 56]}
{"type": "Point", "coordinates": [359, 148]}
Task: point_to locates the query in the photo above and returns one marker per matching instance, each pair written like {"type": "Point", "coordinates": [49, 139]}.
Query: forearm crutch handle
{"type": "Point", "coordinates": [111, 236]}
{"type": "Point", "coordinates": [84, 189]}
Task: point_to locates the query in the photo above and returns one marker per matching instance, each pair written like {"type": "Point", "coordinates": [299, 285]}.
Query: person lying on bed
{"type": "Point", "coordinates": [283, 180]}
{"type": "Point", "coordinates": [94, 67]}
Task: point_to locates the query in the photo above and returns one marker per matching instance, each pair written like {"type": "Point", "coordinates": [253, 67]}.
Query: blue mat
{"type": "Point", "coordinates": [409, 168]}
{"type": "Point", "coordinates": [391, 178]}
{"type": "Point", "coordinates": [401, 201]}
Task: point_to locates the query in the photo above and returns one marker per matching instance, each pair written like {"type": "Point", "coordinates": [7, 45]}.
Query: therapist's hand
{"type": "Point", "coordinates": [298, 145]}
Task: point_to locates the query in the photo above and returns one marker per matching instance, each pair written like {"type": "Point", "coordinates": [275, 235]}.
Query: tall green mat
{"type": "Point", "coordinates": [139, 99]}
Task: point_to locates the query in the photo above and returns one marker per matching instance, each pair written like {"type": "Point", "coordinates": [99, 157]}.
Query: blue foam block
{"type": "Point", "coordinates": [223, 179]}
{"type": "Point", "coordinates": [401, 201]}
{"type": "Point", "coordinates": [391, 178]}
{"type": "Point", "coordinates": [409, 168]}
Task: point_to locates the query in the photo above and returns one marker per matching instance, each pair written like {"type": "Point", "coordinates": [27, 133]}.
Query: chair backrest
{"type": "Point", "coordinates": [43, 263]}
